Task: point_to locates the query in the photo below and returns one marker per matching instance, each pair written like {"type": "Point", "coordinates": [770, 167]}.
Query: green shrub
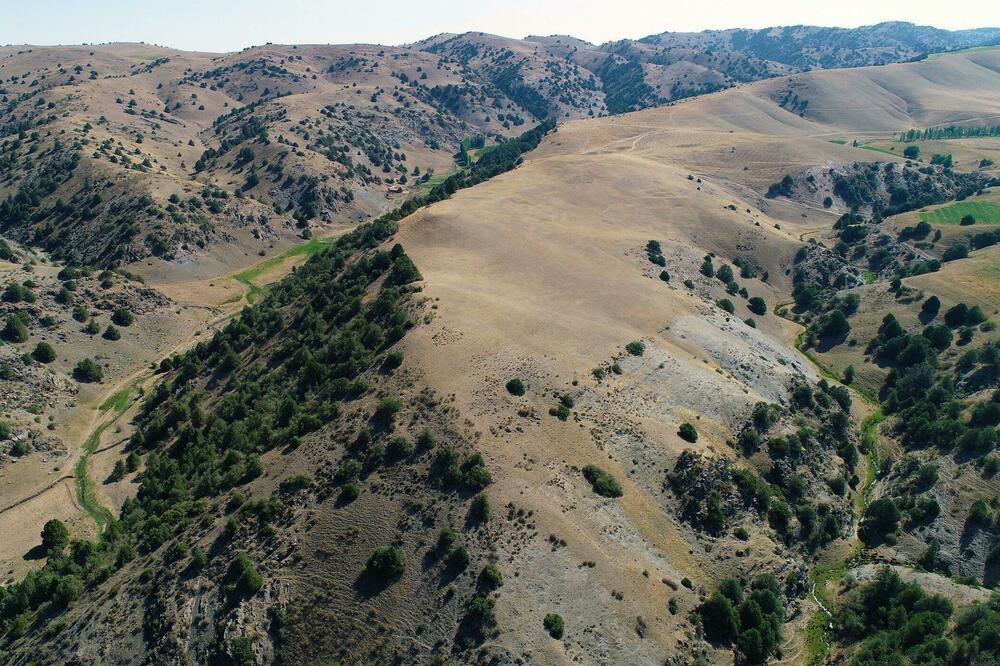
{"type": "Point", "coordinates": [295, 483]}
{"type": "Point", "coordinates": [881, 519]}
{"type": "Point", "coordinates": [554, 624]}
{"type": "Point", "coordinates": [55, 537]}
{"type": "Point", "coordinates": [15, 329]}
{"type": "Point", "coordinates": [516, 387]}
{"type": "Point", "coordinates": [560, 411]}
{"type": "Point", "coordinates": [44, 353]}
{"type": "Point", "coordinates": [387, 409]}
{"type": "Point", "coordinates": [480, 509]}
{"type": "Point", "coordinates": [446, 537]}
{"type": "Point", "coordinates": [635, 348]}
{"type": "Point", "coordinates": [665, 276]}
{"type": "Point", "coordinates": [398, 448]}
{"type": "Point", "coordinates": [726, 305]}
{"type": "Point", "coordinates": [88, 371]}
{"type": "Point", "coordinates": [4, 431]}
{"type": "Point", "coordinates": [688, 433]}
{"type": "Point", "coordinates": [112, 333]}
{"type": "Point", "coordinates": [122, 317]}
{"type": "Point", "coordinates": [386, 563]}
{"type": "Point", "coordinates": [458, 559]}
{"type": "Point", "coordinates": [349, 492]}
{"type": "Point", "coordinates": [757, 305]}
{"type": "Point", "coordinates": [392, 360]}
{"type": "Point", "coordinates": [490, 578]}
{"type": "Point", "coordinates": [602, 482]}
{"type": "Point", "coordinates": [243, 577]}
{"type": "Point", "coordinates": [242, 650]}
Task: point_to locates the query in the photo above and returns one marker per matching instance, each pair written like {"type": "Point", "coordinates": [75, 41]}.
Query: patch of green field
{"type": "Point", "coordinates": [436, 180]}
{"type": "Point", "coordinates": [118, 402]}
{"type": "Point", "coordinates": [839, 142]}
{"type": "Point", "coordinates": [985, 212]}
{"type": "Point", "coordinates": [248, 277]}
{"type": "Point", "coordinates": [880, 149]}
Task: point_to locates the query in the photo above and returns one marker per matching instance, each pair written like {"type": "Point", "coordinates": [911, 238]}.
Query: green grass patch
{"type": "Point", "coordinates": [249, 276]}
{"type": "Point", "coordinates": [839, 142]}
{"type": "Point", "coordinates": [118, 402]}
{"type": "Point", "coordinates": [880, 149]}
{"type": "Point", "coordinates": [985, 212]}
{"type": "Point", "coordinates": [870, 277]}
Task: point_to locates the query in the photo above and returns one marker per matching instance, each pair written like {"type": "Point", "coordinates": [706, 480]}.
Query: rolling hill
{"type": "Point", "coordinates": [585, 401]}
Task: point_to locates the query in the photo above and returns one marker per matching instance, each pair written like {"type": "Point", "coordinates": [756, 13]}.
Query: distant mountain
{"type": "Point", "coordinates": [112, 153]}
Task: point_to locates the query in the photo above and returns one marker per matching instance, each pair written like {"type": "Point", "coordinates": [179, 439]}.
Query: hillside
{"type": "Point", "coordinates": [113, 153]}
{"type": "Point", "coordinates": [585, 401]}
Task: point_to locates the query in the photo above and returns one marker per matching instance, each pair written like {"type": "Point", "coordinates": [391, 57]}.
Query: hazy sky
{"type": "Point", "coordinates": [227, 25]}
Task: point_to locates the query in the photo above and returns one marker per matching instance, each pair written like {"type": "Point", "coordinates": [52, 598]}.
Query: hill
{"type": "Point", "coordinates": [587, 400]}
{"type": "Point", "coordinates": [113, 153]}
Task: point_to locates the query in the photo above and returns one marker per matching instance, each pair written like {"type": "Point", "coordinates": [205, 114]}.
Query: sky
{"type": "Point", "coordinates": [230, 25]}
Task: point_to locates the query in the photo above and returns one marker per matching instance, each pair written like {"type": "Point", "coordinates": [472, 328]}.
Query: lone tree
{"type": "Point", "coordinates": [911, 152]}
{"type": "Point", "coordinates": [688, 433]}
{"type": "Point", "coordinates": [55, 537]}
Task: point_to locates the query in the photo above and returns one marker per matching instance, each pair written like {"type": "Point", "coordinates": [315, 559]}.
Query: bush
{"type": "Point", "coordinates": [15, 329]}
{"type": "Point", "coordinates": [112, 333]}
{"type": "Point", "coordinates": [635, 348]}
{"type": "Point", "coordinates": [399, 448]}
{"type": "Point", "coordinates": [88, 371]}
{"type": "Point", "coordinates": [243, 577]}
{"type": "Point", "coordinates": [242, 650]}
{"type": "Point", "coordinates": [387, 409]}
{"type": "Point", "coordinates": [4, 431]}
{"type": "Point", "coordinates": [458, 559]}
{"type": "Point", "coordinates": [349, 492]}
{"type": "Point", "coordinates": [480, 509]}
{"type": "Point", "coordinates": [386, 563]}
{"type": "Point", "coordinates": [602, 482]}
{"type": "Point", "coordinates": [665, 276]}
{"type": "Point", "coordinates": [554, 624]}
{"type": "Point", "coordinates": [967, 221]}
{"type": "Point", "coordinates": [122, 317]}
{"type": "Point", "coordinates": [757, 305]}
{"type": "Point", "coordinates": [726, 305]}
{"type": "Point", "coordinates": [516, 387]}
{"type": "Point", "coordinates": [911, 152]}
{"type": "Point", "coordinates": [392, 360]}
{"type": "Point", "coordinates": [490, 578]}
{"type": "Point", "coordinates": [688, 433]}
{"type": "Point", "coordinates": [44, 353]}
{"type": "Point", "coordinates": [446, 537]}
